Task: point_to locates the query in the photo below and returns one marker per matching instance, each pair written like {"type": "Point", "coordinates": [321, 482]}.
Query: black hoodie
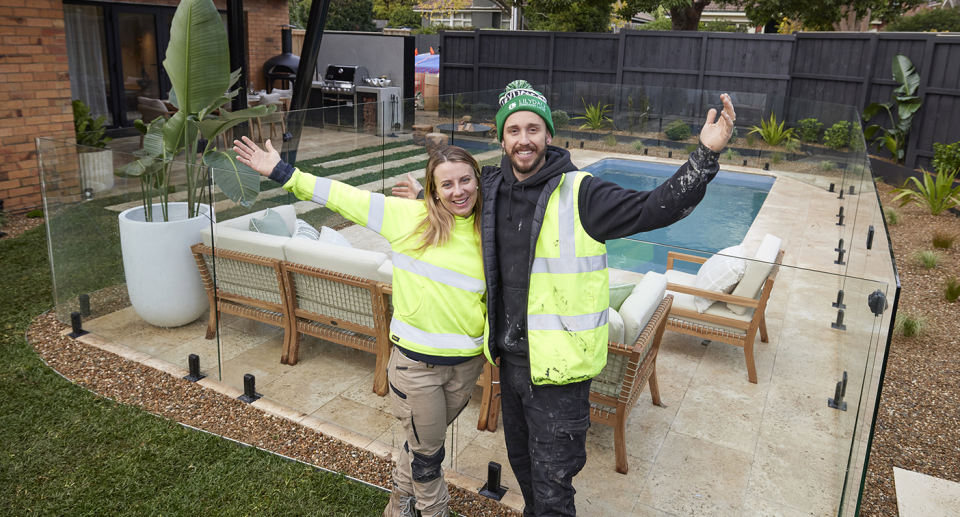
{"type": "Point", "coordinates": [511, 225]}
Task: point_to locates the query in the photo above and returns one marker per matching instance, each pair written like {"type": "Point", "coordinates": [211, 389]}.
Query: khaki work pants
{"type": "Point", "coordinates": [427, 398]}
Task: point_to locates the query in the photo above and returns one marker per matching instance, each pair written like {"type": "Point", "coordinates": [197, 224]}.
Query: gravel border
{"type": "Point", "coordinates": [132, 383]}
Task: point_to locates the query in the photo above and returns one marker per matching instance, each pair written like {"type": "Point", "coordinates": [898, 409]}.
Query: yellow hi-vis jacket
{"type": "Point", "coordinates": [567, 326]}
{"type": "Point", "coordinates": [438, 306]}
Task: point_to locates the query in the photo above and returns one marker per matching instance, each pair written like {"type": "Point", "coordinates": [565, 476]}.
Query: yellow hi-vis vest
{"type": "Point", "coordinates": [438, 306]}
{"type": "Point", "coordinates": [569, 294]}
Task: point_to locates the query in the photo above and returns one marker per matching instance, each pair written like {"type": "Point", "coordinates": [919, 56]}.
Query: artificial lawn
{"type": "Point", "coordinates": [67, 451]}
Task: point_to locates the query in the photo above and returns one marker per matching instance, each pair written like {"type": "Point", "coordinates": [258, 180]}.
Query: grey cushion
{"type": "Point", "coordinates": [269, 98]}
{"type": "Point", "coordinates": [720, 273]}
{"type": "Point", "coordinates": [271, 223]}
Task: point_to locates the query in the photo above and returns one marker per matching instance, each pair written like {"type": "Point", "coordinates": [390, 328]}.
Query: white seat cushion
{"type": "Point", "coordinates": [685, 301]}
{"type": "Point", "coordinates": [757, 272]}
{"type": "Point", "coordinates": [386, 272]}
{"type": "Point", "coordinates": [350, 261]}
{"type": "Point", "coordinates": [720, 273]}
{"type": "Point", "coordinates": [234, 234]}
{"type": "Point", "coordinates": [641, 304]}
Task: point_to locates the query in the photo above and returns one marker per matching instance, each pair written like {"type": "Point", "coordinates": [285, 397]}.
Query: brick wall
{"type": "Point", "coordinates": [34, 93]}
{"type": "Point", "coordinates": [35, 82]}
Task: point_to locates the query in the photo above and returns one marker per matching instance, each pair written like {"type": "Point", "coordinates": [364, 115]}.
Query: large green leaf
{"type": "Point", "coordinates": [212, 127]}
{"type": "Point", "coordinates": [153, 139]}
{"type": "Point", "coordinates": [197, 59]}
{"type": "Point", "coordinates": [870, 111]}
{"type": "Point", "coordinates": [908, 106]}
{"type": "Point", "coordinates": [904, 73]}
{"type": "Point", "coordinates": [237, 181]}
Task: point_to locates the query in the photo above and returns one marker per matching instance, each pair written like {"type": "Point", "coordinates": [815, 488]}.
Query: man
{"type": "Point", "coordinates": [544, 228]}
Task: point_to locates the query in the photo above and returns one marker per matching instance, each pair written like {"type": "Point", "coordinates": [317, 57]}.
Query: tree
{"type": "Point", "coordinates": [404, 16]}
{"type": "Point", "coordinates": [940, 20]}
{"type": "Point", "coordinates": [569, 15]}
{"type": "Point", "coordinates": [684, 14]}
{"type": "Point", "coordinates": [351, 15]}
{"type": "Point", "coordinates": [826, 14]}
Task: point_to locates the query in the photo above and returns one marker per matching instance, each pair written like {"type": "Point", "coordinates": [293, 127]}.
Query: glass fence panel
{"type": "Point", "coordinates": [309, 321]}
{"type": "Point", "coordinates": [134, 282]}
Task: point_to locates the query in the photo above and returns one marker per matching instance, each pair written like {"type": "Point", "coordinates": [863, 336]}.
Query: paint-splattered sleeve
{"type": "Point", "coordinates": [609, 211]}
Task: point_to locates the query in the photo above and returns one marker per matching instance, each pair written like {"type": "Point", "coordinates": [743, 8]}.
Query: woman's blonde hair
{"type": "Point", "coordinates": [439, 222]}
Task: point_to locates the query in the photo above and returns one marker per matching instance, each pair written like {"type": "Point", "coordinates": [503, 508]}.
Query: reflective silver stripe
{"type": "Point", "coordinates": [569, 266]}
{"type": "Point", "coordinates": [445, 341]}
{"type": "Point", "coordinates": [375, 214]}
{"type": "Point", "coordinates": [568, 323]}
{"type": "Point", "coordinates": [321, 190]}
{"type": "Point", "coordinates": [438, 274]}
{"type": "Point", "coordinates": [568, 243]}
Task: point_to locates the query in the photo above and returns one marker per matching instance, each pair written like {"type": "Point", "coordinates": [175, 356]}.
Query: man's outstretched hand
{"type": "Point", "coordinates": [716, 133]}
{"type": "Point", "coordinates": [407, 188]}
{"type": "Point", "coordinates": [257, 159]}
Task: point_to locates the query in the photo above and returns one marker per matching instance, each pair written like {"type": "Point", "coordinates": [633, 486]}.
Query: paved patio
{"type": "Point", "coordinates": [720, 446]}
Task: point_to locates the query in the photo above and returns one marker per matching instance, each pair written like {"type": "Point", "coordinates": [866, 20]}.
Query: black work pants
{"type": "Point", "coordinates": [545, 430]}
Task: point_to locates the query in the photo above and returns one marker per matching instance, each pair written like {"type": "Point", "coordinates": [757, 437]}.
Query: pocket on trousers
{"type": "Point", "coordinates": [567, 452]}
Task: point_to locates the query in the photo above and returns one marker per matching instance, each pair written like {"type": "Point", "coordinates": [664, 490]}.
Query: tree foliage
{"type": "Point", "coordinates": [928, 20]}
{"type": "Point", "coordinates": [569, 15]}
{"type": "Point", "coordinates": [343, 15]}
{"type": "Point", "coordinates": [684, 14]}
{"type": "Point", "coordinates": [823, 14]}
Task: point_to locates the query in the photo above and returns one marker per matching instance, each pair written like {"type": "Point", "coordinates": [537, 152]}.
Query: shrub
{"type": "Point", "coordinates": [610, 140]}
{"type": "Point", "coordinates": [773, 133]}
{"type": "Point", "coordinates": [810, 130]}
{"type": "Point", "coordinates": [951, 289]}
{"type": "Point", "coordinates": [638, 145]}
{"type": "Point", "coordinates": [595, 116]}
{"type": "Point", "coordinates": [677, 130]}
{"type": "Point", "coordinates": [35, 213]}
{"type": "Point", "coordinates": [560, 119]}
{"type": "Point", "coordinates": [691, 148]}
{"type": "Point", "coordinates": [856, 169]}
{"type": "Point", "coordinates": [946, 158]}
{"type": "Point", "coordinates": [733, 136]}
{"type": "Point", "coordinates": [776, 158]}
{"type": "Point", "coordinates": [928, 20]}
{"type": "Point", "coordinates": [909, 325]}
{"type": "Point", "coordinates": [838, 135]}
{"type": "Point", "coordinates": [935, 194]}
{"type": "Point", "coordinates": [892, 216]}
{"type": "Point", "coordinates": [929, 259]}
{"type": "Point", "coordinates": [751, 140]}
{"type": "Point", "coordinates": [791, 146]}
{"type": "Point", "coordinates": [827, 166]}
{"type": "Point", "coordinates": [730, 154]}
{"type": "Point", "coordinates": [943, 240]}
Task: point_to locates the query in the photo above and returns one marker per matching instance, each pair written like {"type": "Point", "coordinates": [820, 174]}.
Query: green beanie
{"type": "Point", "coordinates": [520, 96]}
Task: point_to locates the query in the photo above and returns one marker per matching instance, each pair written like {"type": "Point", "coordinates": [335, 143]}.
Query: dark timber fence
{"type": "Point", "coordinates": [828, 69]}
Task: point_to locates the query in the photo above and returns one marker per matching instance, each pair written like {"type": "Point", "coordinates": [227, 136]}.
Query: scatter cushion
{"type": "Point", "coordinates": [267, 99]}
{"type": "Point", "coordinates": [641, 304]}
{"type": "Point", "coordinates": [153, 103]}
{"type": "Point", "coordinates": [615, 325]}
{"type": "Point", "coordinates": [271, 223]}
{"type": "Point", "coordinates": [757, 272]}
{"type": "Point", "coordinates": [619, 293]}
{"type": "Point", "coordinates": [284, 94]}
{"type": "Point", "coordinates": [331, 236]}
{"type": "Point", "coordinates": [305, 231]}
{"type": "Point", "coordinates": [720, 273]}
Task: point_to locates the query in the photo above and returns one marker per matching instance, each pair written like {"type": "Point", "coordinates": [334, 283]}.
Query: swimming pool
{"type": "Point", "coordinates": [721, 220]}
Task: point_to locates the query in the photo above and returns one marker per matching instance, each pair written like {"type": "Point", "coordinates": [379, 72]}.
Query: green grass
{"type": "Point", "coordinates": [893, 217]}
{"type": "Point", "coordinates": [909, 325]}
{"type": "Point", "coordinates": [943, 240]}
{"type": "Point", "coordinates": [951, 289]}
{"type": "Point", "coordinates": [313, 168]}
{"type": "Point", "coordinates": [67, 451]}
{"type": "Point", "coordinates": [358, 152]}
{"type": "Point", "coordinates": [827, 166]}
{"type": "Point", "coordinates": [929, 259]}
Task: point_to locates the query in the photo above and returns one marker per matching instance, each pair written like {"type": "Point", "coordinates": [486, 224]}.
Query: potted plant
{"type": "Point", "coordinates": [96, 162]}
{"type": "Point", "coordinates": [155, 238]}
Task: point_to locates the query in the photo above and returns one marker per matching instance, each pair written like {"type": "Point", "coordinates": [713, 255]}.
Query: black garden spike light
{"type": "Point", "coordinates": [77, 325]}
{"type": "Point", "coordinates": [492, 487]}
{"type": "Point", "coordinates": [250, 394]}
{"type": "Point", "coordinates": [84, 300]}
{"type": "Point", "coordinates": [193, 362]}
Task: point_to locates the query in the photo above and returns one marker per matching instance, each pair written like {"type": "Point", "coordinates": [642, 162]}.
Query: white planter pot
{"type": "Point", "coordinates": [96, 170]}
{"type": "Point", "coordinates": [162, 277]}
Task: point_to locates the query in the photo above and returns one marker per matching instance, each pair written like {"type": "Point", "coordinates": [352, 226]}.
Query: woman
{"type": "Point", "coordinates": [438, 319]}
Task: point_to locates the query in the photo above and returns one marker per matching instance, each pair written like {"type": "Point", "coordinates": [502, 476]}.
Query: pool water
{"type": "Point", "coordinates": [722, 219]}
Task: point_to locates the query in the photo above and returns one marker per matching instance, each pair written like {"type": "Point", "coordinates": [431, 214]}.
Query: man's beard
{"type": "Point", "coordinates": [522, 170]}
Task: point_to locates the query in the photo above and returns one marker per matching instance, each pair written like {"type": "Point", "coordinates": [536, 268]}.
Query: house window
{"type": "Point", "coordinates": [456, 19]}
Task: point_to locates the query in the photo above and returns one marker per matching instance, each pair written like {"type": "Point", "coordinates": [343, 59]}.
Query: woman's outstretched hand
{"type": "Point", "coordinates": [715, 134]}
{"type": "Point", "coordinates": [257, 159]}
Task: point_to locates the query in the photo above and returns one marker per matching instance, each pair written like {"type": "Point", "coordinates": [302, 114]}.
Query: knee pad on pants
{"type": "Point", "coordinates": [427, 468]}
